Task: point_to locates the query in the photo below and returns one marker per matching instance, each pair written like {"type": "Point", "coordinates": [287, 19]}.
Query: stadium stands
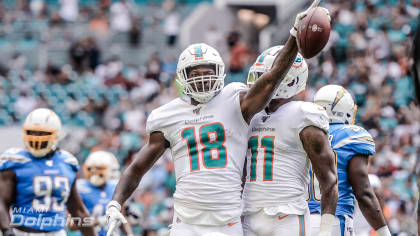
{"type": "Point", "coordinates": [104, 83]}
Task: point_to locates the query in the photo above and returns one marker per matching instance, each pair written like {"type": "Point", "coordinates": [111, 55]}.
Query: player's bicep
{"type": "Point", "coordinates": [7, 181]}
{"type": "Point", "coordinates": [358, 175]}
{"type": "Point", "coordinates": [257, 97]}
{"type": "Point", "coordinates": [316, 145]}
{"type": "Point", "coordinates": [150, 152]}
{"type": "Point", "coordinates": [315, 141]}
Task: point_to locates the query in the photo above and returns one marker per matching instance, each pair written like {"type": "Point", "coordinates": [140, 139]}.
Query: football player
{"type": "Point", "coordinates": [284, 139]}
{"type": "Point", "coordinates": [352, 146]}
{"type": "Point", "coordinates": [38, 183]}
{"type": "Point", "coordinates": [206, 132]}
{"type": "Point", "coordinates": [97, 188]}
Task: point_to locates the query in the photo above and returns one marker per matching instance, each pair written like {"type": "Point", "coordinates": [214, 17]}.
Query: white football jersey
{"type": "Point", "coordinates": [208, 144]}
{"type": "Point", "coordinates": [277, 164]}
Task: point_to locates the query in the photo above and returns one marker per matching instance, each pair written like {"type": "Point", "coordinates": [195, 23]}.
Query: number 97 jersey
{"type": "Point", "coordinates": [43, 186]}
{"type": "Point", "coordinates": [208, 144]}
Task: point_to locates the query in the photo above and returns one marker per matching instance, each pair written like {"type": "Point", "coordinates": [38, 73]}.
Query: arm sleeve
{"type": "Point", "coordinates": [313, 115]}
{"type": "Point", "coordinates": [152, 123]}
{"type": "Point", "coordinates": [233, 91]}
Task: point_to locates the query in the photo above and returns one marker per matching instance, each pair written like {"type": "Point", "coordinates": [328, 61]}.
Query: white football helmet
{"type": "Point", "coordinates": [338, 103]}
{"type": "Point", "coordinates": [200, 88]}
{"type": "Point", "coordinates": [41, 132]}
{"type": "Point", "coordinates": [99, 167]}
{"type": "Point", "coordinates": [292, 84]}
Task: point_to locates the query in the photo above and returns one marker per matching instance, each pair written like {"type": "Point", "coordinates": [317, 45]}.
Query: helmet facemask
{"type": "Point", "coordinates": [253, 75]}
{"type": "Point", "coordinates": [39, 141]}
{"type": "Point", "coordinates": [202, 88]}
{"type": "Point", "coordinates": [96, 174]}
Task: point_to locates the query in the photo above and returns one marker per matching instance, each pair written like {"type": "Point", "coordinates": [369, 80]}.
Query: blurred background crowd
{"type": "Point", "coordinates": [104, 65]}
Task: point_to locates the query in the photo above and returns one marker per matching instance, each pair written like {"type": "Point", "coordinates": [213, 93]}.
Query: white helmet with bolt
{"type": "Point", "coordinates": [338, 103]}
{"type": "Point", "coordinates": [41, 132]}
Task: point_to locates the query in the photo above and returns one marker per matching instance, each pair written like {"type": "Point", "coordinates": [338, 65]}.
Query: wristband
{"type": "Point", "coordinates": [384, 231]}
{"type": "Point", "coordinates": [114, 204]}
{"type": "Point", "coordinates": [293, 32]}
{"type": "Point", "coordinates": [327, 221]}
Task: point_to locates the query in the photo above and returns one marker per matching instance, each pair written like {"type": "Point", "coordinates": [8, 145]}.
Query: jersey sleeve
{"type": "Point", "coordinates": [355, 139]}
{"type": "Point", "coordinates": [82, 187]}
{"type": "Point", "coordinates": [70, 160]}
{"type": "Point", "coordinates": [231, 94]}
{"type": "Point", "coordinates": [12, 159]}
{"type": "Point", "coordinates": [235, 88]}
{"type": "Point", "coordinates": [313, 115]}
{"type": "Point", "coordinates": [152, 124]}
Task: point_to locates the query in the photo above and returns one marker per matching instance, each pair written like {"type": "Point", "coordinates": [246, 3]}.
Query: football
{"type": "Point", "coordinates": [313, 32]}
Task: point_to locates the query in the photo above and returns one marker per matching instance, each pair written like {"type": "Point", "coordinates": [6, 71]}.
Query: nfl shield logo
{"type": "Point", "coordinates": [264, 118]}
{"type": "Point", "coordinates": [49, 163]}
{"type": "Point", "coordinates": [197, 110]}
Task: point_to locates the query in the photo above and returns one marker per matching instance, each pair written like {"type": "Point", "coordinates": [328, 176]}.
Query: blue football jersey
{"type": "Point", "coordinates": [346, 142]}
{"type": "Point", "coordinates": [43, 186]}
{"type": "Point", "coordinates": [96, 199]}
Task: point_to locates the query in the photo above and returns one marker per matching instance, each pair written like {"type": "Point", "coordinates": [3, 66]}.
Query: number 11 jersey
{"type": "Point", "coordinates": [208, 144]}
{"type": "Point", "coordinates": [277, 164]}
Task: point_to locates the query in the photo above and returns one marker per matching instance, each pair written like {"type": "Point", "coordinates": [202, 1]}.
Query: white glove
{"type": "Point", "coordinates": [300, 16]}
{"type": "Point", "coordinates": [114, 216]}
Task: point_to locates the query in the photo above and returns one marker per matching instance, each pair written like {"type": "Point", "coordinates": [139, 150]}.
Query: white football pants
{"type": "Point", "coordinates": [261, 224]}
{"type": "Point", "coordinates": [180, 228]}
{"type": "Point", "coordinates": [342, 226]}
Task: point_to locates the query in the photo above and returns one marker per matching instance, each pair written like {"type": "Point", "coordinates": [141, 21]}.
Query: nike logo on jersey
{"type": "Point", "coordinates": [232, 224]}
{"type": "Point", "coordinates": [282, 217]}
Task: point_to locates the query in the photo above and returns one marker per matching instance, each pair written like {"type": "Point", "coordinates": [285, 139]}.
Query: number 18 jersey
{"type": "Point", "coordinates": [277, 164]}
{"type": "Point", "coordinates": [208, 144]}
